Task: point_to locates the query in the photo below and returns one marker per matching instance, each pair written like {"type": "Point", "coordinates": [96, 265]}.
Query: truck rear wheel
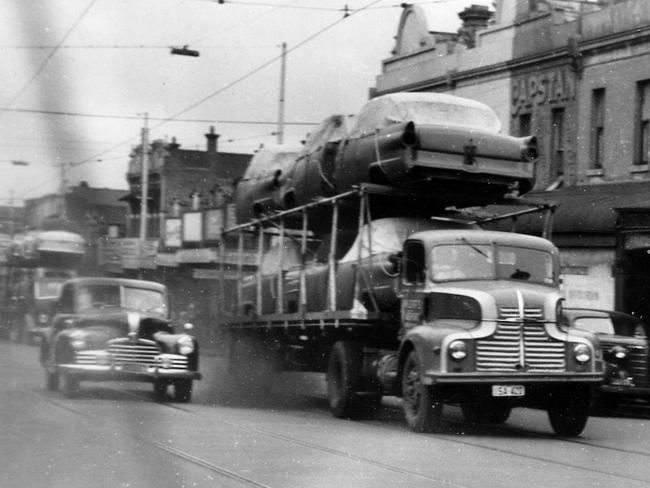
{"type": "Point", "coordinates": [568, 411]}
{"type": "Point", "coordinates": [421, 403]}
{"type": "Point", "coordinates": [345, 381]}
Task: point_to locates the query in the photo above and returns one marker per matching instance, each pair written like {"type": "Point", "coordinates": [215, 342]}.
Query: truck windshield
{"type": "Point", "coordinates": [477, 262]}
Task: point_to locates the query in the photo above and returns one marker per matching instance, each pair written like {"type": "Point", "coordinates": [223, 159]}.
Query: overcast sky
{"type": "Point", "coordinates": [79, 75]}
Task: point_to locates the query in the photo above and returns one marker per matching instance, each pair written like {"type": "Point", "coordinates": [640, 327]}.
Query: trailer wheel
{"type": "Point", "coordinates": [568, 411]}
{"type": "Point", "coordinates": [344, 380]}
{"type": "Point", "coordinates": [421, 403]}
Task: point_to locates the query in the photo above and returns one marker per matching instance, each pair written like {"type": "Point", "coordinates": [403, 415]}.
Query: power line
{"type": "Point", "coordinates": [135, 117]}
{"type": "Point", "coordinates": [262, 66]}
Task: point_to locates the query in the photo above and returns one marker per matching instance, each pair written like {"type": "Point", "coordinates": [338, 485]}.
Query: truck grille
{"type": "Point", "coordinates": [520, 345]}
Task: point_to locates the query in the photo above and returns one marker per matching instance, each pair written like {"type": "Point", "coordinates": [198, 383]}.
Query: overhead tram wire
{"type": "Point", "coordinates": [264, 65]}
{"type": "Point", "coordinates": [50, 55]}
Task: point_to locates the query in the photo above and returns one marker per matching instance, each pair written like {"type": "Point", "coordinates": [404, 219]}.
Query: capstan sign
{"type": "Point", "coordinates": [555, 86]}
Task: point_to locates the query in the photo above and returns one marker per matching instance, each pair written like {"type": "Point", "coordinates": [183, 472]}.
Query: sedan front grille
{"type": "Point", "coordinates": [638, 361]}
{"type": "Point", "coordinates": [133, 352]}
{"type": "Point", "coordinates": [520, 346]}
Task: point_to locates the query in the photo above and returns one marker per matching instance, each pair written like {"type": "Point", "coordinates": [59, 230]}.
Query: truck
{"type": "Point", "coordinates": [419, 303]}
{"type": "Point", "coordinates": [36, 265]}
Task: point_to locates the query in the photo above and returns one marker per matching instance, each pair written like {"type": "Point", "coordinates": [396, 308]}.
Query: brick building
{"type": "Point", "coordinates": [189, 192]}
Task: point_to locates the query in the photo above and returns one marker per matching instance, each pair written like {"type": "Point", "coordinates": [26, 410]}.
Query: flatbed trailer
{"type": "Point", "coordinates": [378, 317]}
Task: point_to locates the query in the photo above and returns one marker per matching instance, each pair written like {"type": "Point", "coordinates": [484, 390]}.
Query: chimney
{"type": "Point", "coordinates": [475, 18]}
{"type": "Point", "coordinates": [212, 141]}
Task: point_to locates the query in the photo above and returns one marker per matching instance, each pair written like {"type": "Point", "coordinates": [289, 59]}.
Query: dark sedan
{"type": "Point", "coordinates": [117, 329]}
{"type": "Point", "coordinates": [624, 347]}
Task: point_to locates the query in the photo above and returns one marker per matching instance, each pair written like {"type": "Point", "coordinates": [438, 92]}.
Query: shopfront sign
{"type": "Point", "coordinates": [535, 89]}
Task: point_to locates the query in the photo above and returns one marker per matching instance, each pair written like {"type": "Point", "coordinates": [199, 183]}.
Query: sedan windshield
{"type": "Point", "coordinates": [598, 325]}
{"type": "Point", "coordinates": [102, 296]}
{"type": "Point", "coordinates": [477, 262]}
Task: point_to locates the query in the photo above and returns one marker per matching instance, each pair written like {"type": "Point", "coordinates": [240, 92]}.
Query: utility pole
{"type": "Point", "coordinates": [62, 190]}
{"type": "Point", "coordinates": [144, 187]}
{"type": "Point", "coordinates": [283, 70]}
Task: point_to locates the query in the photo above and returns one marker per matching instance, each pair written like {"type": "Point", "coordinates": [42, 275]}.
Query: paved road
{"type": "Point", "coordinates": [116, 435]}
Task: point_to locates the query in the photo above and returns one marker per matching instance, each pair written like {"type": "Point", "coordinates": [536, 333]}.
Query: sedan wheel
{"type": "Point", "coordinates": [70, 385]}
{"type": "Point", "coordinates": [160, 390]}
{"type": "Point", "coordinates": [52, 381]}
{"type": "Point", "coordinates": [183, 391]}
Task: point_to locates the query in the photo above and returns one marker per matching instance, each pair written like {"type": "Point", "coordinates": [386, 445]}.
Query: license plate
{"type": "Point", "coordinates": [508, 390]}
{"type": "Point", "coordinates": [132, 368]}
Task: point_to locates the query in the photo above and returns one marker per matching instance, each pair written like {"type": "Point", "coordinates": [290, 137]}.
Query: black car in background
{"type": "Point", "coordinates": [624, 345]}
{"type": "Point", "coordinates": [106, 329]}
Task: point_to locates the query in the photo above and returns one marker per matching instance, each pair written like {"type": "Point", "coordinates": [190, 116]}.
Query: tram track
{"type": "Point", "coordinates": [225, 472]}
{"type": "Point", "coordinates": [456, 439]}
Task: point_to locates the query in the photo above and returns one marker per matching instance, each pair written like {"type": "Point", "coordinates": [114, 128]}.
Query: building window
{"type": "Point", "coordinates": [642, 123]}
{"type": "Point", "coordinates": [524, 125]}
{"type": "Point", "coordinates": [557, 144]}
{"type": "Point", "coordinates": [597, 128]}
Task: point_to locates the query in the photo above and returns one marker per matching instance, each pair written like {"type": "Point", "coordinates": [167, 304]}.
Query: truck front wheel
{"type": "Point", "coordinates": [421, 403]}
{"type": "Point", "coordinates": [568, 411]}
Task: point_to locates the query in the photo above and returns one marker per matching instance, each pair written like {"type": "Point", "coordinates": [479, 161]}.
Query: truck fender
{"type": "Point", "coordinates": [426, 341]}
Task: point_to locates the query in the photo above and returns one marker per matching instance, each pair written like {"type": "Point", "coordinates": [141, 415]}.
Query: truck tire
{"type": "Point", "coordinates": [345, 380]}
{"type": "Point", "coordinates": [568, 411]}
{"type": "Point", "coordinates": [421, 403]}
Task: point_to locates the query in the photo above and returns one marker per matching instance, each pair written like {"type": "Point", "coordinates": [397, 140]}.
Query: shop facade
{"type": "Point", "coordinates": [577, 76]}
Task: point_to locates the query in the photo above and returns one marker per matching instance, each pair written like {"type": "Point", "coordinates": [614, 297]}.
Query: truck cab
{"type": "Point", "coordinates": [482, 327]}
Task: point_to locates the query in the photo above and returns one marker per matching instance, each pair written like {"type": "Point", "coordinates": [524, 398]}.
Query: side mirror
{"type": "Point", "coordinates": [395, 261]}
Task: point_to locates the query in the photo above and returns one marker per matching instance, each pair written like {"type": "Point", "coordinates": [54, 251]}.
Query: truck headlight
{"type": "Point", "coordinates": [458, 350]}
{"type": "Point", "coordinates": [582, 353]}
{"type": "Point", "coordinates": [185, 345]}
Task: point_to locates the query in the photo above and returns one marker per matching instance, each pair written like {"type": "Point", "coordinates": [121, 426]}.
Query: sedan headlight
{"type": "Point", "coordinates": [185, 345]}
{"type": "Point", "coordinates": [582, 353]}
{"type": "Point", "coordinates": [618, 352]}
{"type": "Point", "coordinates": [458, 350]}
{"type": "Point", "coordinates": [78, 340]}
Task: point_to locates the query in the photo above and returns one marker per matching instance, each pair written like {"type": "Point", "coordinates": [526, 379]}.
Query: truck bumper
{"type": "Point", "coordinates": [434, 377]}
{"type": "Point", "coordinates": [127, 372]}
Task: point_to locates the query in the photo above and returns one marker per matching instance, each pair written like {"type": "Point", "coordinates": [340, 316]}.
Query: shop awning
{"type": "Point", "coordinates": [586, 215]}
